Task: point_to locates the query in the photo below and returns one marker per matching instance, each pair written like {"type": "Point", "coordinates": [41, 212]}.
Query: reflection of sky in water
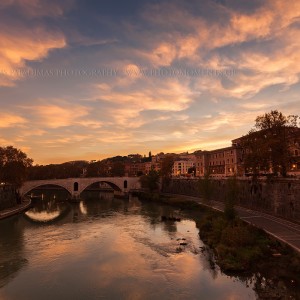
{"type": "Point", "coordinates": [121, 256]}
{"type": "Point", "coordinates": [42, 216]}
{"type": "Point", "coordinates": [82, 207]}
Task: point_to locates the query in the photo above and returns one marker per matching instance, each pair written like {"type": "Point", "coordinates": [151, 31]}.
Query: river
{"type": "Point", "coordinates": [107, 248]}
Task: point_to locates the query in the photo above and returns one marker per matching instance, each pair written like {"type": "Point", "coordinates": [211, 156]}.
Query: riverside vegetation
{"type": "Point", "coordinates": [239, 248]}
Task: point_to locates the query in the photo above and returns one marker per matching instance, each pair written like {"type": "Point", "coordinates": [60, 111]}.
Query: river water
{"type": "Point", "coordinates": [107, 248]}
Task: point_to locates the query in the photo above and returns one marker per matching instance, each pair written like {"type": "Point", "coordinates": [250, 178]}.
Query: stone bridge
{"type": "Point", "coordinates": [75, 186]}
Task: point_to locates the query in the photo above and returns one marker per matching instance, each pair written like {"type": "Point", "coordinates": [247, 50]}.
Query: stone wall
{"type": "Point", "coordinates": [8, 197]}
{"type": "Point", "coordinates": [279, 197]}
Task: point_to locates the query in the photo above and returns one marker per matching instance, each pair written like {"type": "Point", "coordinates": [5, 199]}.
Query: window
{"type": "Point", "coordinates": [75, 187]}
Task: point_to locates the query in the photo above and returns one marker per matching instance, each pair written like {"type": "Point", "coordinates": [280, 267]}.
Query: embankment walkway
{"type": "Point", "coordinates": [16, 209]}
{"type": "Point", "coordinates": [283, 230]}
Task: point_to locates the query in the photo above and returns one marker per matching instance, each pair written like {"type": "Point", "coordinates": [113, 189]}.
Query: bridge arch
{"type": "Point", "coordinates": [113, 185]}
{"type": "Point", "coordinates": [28, 189]}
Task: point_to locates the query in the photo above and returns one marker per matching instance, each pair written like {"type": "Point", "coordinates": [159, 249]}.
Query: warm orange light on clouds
{"type": "Point", "coordinates": [55, 116]}
{"type": "Point", "coordinates": [9, 120]}
{"type": "Point", "coordinates": [132, 83]}
{"type": "Point", "coordinates": [19, 45]}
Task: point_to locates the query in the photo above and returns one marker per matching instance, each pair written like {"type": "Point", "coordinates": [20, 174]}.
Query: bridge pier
{"type": "Point", "coordinates": [75, 198]}
{"type": "Point", "coordinates": [120, 194]}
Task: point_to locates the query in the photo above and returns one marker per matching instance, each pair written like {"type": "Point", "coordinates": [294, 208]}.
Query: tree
{"type": "Point", "coordinates": [206, 187]}
{"type": "Point", "coordinates": [231, 197]}
{"type": "Point", "coordinates": [167, 165]}
{"type": "Point", "coordinates": [13, 165]}
{"type": "Point", "coordinates": [192, 170]}
{"type": "Point", "coordinates": [117, 169]}
{"type": "Point", "coordinates": [97, 169]}
{"type": "Point", "coordinates": [150, 181]}
{"type": "Point", "coordinates": [267, 145]}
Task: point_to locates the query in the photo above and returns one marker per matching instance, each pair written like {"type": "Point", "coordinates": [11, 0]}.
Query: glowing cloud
{"type": "Point", "coordinates": [10, 120]}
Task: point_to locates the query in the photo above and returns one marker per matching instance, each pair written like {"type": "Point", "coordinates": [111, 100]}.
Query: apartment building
{"type": "Point", "coordinates": [291, 137]}
{"type": "Point", "coordinates": [181, 167]}
{"type": "Point", "coordinates": [219, 163]}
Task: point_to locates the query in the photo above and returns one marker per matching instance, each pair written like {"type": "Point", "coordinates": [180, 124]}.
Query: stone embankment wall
{"type": "Point", "coordinates": [8, 197]}
{"type": "Point", "coordinates": [279, 197]}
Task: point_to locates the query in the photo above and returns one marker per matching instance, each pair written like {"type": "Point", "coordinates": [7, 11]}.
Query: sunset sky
{"type": "Point", "coordinates": [82, 79]}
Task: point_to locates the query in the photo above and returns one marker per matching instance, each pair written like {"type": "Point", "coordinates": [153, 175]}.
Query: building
{"type": "Point", "coordinates": [181, 167]}
{"type": "Point", "coordinates": [135, 168]}
{"type": "Point", "coordinates": [219, 163]}
{"type": "Point", "coordinates": [289, 136]}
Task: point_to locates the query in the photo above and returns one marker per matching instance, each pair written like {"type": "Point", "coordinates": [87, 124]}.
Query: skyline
{"type": "Point", "coordinates": [93, 79]}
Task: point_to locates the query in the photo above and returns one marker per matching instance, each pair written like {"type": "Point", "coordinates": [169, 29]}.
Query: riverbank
{"type": "Point", "coordinates": [283, 230]}
{"type": "Point", "coordinates": [279, 197]}
{"type": "Point", "coordinates": [26, 202]}
{"type": "Point", "coordinates": [238, 245]}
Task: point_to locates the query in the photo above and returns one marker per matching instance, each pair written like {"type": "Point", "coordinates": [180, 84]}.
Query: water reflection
{"type": "Point", "coordinates": [47, 207]}
{"type": "Point", "coordinates": [110, 248]}
{"type": "Point", "coordinates": [12, 258]}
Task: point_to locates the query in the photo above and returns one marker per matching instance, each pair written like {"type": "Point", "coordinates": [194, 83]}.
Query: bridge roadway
{"type": "Point", "coordinates": [283, 230]}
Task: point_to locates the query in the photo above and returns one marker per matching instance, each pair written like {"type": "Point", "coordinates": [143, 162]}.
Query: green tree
{"type": "Point", "coordinates": [14, 165]}
{"type": "Point", "coordinates": [267, 145]}
{"type": "Point", "coordinates": [150, 181]}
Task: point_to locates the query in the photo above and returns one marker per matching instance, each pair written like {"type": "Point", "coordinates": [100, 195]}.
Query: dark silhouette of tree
{"type": "Point", "coordinates": [72, 169]}
{"type": "Point", "coordinates": [97, 169]}
{"type": "Point", "coordinates": [192, 170]}
{"type": "Point", "coordinates": [231, 197]}
{"type": "Point", "coordinates": [166, 165]}
{"type": "Point", "coordinates": [14, 164]}
{"type": "Point", "coordinates": [205, 185]}
{"type": "Point", "coordinates": [117, 169]}
{"type": "Point", "coordinates": [150, 181]}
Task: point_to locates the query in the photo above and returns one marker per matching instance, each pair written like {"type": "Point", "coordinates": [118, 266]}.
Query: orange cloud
{"type": "Point", "coordinates": [10, 120]}
{"type": "Point", "coordinates": [19, 44]}
{"type": "Point", "coordinates": [57, 115]}
{"type": "Point", "coordinates": [269, 23]}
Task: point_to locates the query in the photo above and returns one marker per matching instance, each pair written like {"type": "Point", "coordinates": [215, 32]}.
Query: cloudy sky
{"type": "Point", "coordinates": [83, 79]}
